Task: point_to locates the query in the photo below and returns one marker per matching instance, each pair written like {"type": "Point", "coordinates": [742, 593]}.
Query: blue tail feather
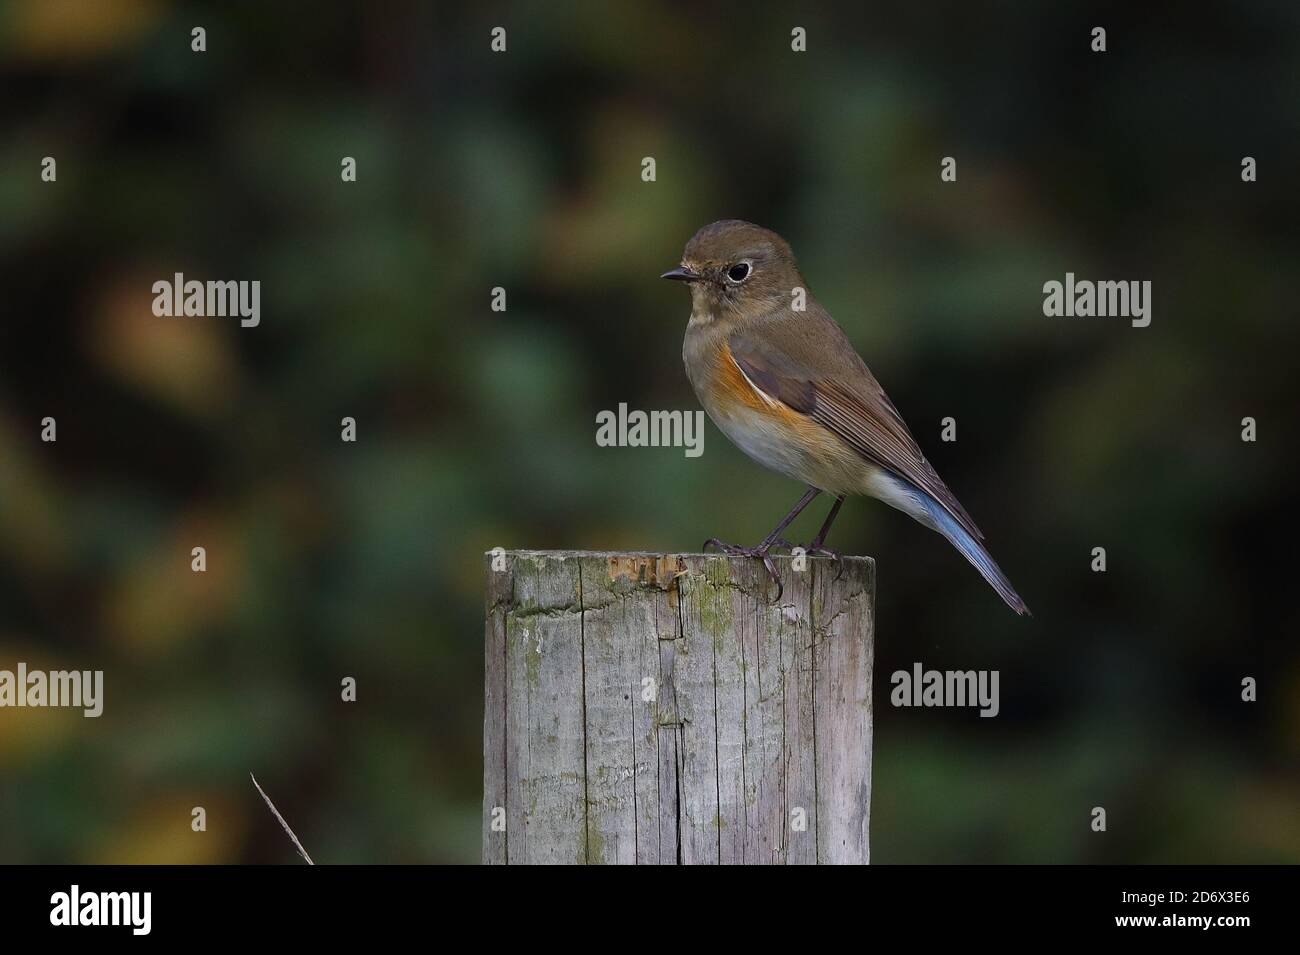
{"type": "Point", "coordinates": [970, 548]}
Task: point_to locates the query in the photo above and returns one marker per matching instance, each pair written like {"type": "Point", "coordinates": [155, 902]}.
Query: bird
{"type": "Point", "coordinates": [782, 381]}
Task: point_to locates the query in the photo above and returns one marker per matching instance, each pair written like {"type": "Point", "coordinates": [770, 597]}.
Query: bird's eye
{"type": "Point", "coordinates": [738, 272]}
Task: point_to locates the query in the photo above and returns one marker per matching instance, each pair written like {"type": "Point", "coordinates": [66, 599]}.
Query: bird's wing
{"type": "Point", "coordinates": [849, 403]}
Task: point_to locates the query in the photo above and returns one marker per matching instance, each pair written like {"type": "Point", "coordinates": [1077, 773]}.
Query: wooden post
{"type": "Point", "coordinates": [650, 708]}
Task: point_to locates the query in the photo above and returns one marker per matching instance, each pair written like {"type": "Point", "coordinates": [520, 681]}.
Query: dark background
{"type": "Point", "coordinates": [476, 428]}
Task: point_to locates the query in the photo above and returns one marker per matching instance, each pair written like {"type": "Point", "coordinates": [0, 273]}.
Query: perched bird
{"type": "Point", "coordinates": [786, 386]}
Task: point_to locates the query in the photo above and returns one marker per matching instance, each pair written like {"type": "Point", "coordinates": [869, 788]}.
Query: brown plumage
{"type": "Point", "coordinates": [789, 389]}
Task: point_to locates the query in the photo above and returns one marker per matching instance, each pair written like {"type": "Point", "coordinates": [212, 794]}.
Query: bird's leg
{"type": "Point", "coordinates": [770, 539]}
{"type": "Point", "coordinates": [795, 511]}
{"type": "Point", "coordinates": [817, 547]}
{"type": "Point", "coordinates": [820, 539]}
{"type": "Point", "coordinates": [761, 551]}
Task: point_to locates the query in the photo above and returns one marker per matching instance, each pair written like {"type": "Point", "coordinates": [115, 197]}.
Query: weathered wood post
{"type": "Point", "coordinates": [655, 708]}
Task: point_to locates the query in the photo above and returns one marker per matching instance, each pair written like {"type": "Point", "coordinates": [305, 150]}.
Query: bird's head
{"type": "Point", "coordinates": [736, 270]}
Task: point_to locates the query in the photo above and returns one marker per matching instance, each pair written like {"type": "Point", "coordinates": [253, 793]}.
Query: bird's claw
{"type": "Point", "coordinates": [761, 553]}
{"type": "Point", "coordinates": [735, 550]}
{"type": "Point", "coordinates": [816, 550]}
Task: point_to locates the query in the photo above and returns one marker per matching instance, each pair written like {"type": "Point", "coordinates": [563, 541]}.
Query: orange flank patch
{"type": "Point", "coordinates": [824, 459]}
{"type": "Point", "coordinates": [734, 393]}
{"type": "Point", "coordinates": [731, 386]}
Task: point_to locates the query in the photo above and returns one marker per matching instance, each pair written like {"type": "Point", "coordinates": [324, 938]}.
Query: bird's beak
{"type": "Point", "coordinates": [682, 274]}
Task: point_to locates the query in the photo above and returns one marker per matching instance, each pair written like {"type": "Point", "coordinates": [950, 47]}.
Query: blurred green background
{"type": "Point", "coordinates": [476, 428]}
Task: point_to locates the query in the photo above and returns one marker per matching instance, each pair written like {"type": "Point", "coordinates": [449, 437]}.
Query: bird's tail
{"type": "Point", "coordinates": [972, 550]}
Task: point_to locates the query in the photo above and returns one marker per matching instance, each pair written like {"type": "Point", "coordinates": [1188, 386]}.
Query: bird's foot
{"type": "Point", "coordinates": [760, 552]}
{"type": "Point", "coordinates": [815, 550]}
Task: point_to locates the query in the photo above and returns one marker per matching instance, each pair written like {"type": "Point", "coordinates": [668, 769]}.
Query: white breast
{"type": "Point", "coordinates": [754, 434]}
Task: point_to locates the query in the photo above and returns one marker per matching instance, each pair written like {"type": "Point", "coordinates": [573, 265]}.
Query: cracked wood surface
{"type": "Point", "coordinates": [650, 708]}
